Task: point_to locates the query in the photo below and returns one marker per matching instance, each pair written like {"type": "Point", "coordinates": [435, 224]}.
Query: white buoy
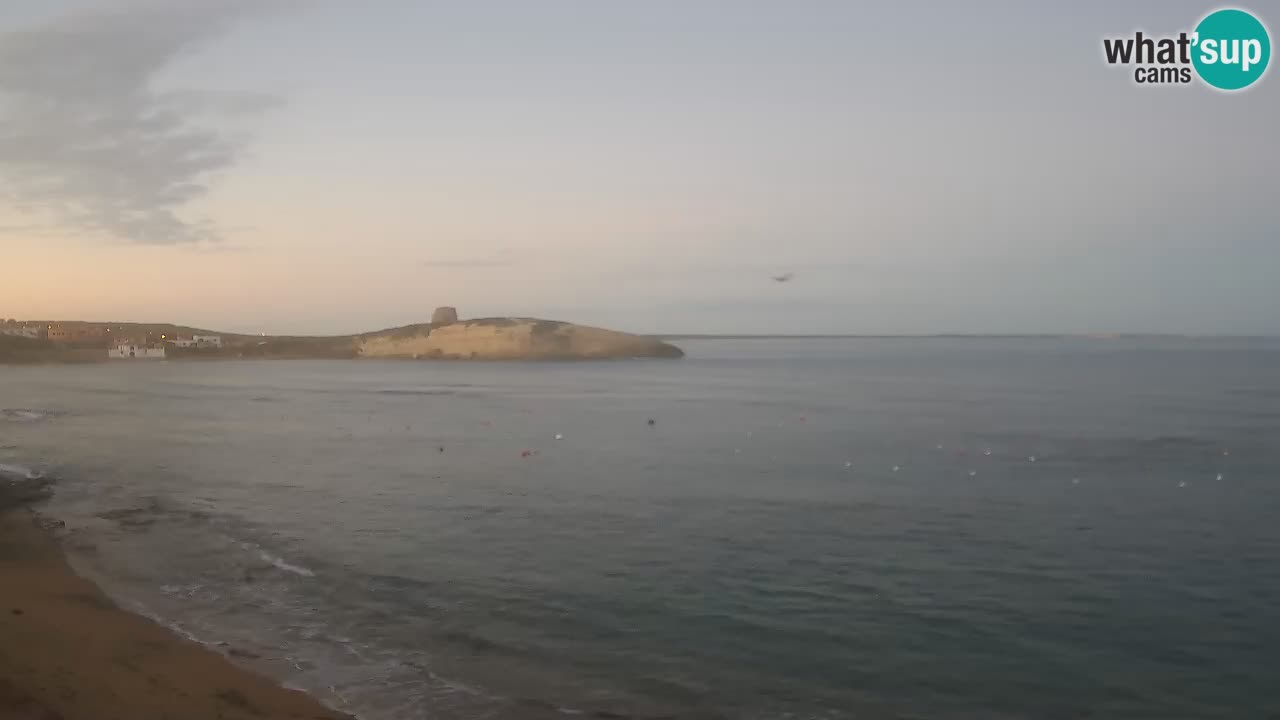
{"type": "Point", "coordinates": [1182, 484]}
{"type": "Point", "coordinates": [972, 473]}
{"type": "Point", "coordinates": [1075, 481]}
{"type": "Point", "coordinates": [1031, 458]}
{"type": "Point", "coordinates": [895, 468]}
{"type": "Point", "coordinates": [1219, 476]}
{"type": "Point", "coordinates": [986, 452]}
{"type": "Point", "coordinates": [559, 436]}
{"type": "Point", "coordinates": [939, 447]}
{"type": "Point", "coordinates": [848, 463]}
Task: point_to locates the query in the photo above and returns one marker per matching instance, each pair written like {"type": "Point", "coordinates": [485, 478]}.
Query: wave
{"type": "Point", "coordinates": [25, 414]}
{"type": "Point", "coordinates": [16, 473]}
{"type": "Point", "coordinates": [416, 392]}
{"type": "Point", "coordinates": [1176, 441]}
{"type": "Point", "coordinates": [182, 591]}
{"type": "Point", "coordinates": [281, 564]}
{"type": "Point", "coordinates": [138, 608]}
{"type": "Point", "coordinates": [225, 649]}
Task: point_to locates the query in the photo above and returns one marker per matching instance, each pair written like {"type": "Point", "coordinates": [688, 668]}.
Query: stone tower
{"type": "Point", "coordinates": [444, 315]}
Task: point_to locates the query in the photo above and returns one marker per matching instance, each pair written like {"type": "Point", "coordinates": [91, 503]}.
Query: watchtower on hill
{"type": "Point", "coordinates": [444, 315]}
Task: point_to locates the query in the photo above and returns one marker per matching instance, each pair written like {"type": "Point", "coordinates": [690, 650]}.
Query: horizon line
{"type": "Point", "coordinates": [743, 335]}
{"type": "Point", "coordinates": [1045, 335]}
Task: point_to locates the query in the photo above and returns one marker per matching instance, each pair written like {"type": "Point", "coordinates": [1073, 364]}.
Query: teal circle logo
{"type": "Point", "coordinates": [1231, 49]}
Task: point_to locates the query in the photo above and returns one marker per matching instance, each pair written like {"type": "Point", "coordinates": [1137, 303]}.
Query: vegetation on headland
{"type": "Point", "coordinates": [21, 350]}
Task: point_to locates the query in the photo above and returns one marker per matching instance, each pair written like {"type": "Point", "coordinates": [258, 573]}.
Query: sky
{"type": "Point", "coordinates": [321, 166]}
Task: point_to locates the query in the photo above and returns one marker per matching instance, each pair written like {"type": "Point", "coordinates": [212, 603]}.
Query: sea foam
{"type": "Point", "coordinates": [24, 415]}
{"type": "Point", "coordinates": [281, 564]}
{"type": "Point", "coordinates": [17, 473]}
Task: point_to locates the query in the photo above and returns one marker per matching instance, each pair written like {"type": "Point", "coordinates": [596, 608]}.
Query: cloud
{"type": "Point", "coordinates": [477, 263]}
{"type": "Point", "coordinates": [504, 257]}
{"type": "Point", "coordinates": [87, 140]}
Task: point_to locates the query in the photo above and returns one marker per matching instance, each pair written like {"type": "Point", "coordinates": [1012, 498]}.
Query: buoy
{"type": "Point", "coordinates": [559, 436]}
{"type": "Point", "coordinates": [652, 422]}
{"type": "Point", "coordinates": [972, 473]}
{"type": "Point", "coordinates": [1031, 458]}
{"type": "Point", "coordinates": [526, 453]}
{"type": "Point", "coordinates": [895, 468]}
{"type": "Point", "coordinates": [848, 463]}
{"type": "Point", "coordinates": [1219, 476]}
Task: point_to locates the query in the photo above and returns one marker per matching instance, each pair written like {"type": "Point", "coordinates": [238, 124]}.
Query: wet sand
{"type": "Point", "coordinates": [68, 653]}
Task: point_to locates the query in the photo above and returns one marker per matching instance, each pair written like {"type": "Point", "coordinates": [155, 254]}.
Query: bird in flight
{"type": "Point", "coordinates": [784, 277]}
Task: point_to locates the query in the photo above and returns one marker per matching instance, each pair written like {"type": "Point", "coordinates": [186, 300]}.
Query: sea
{"type": "Point", "coordinates": [824, 529]}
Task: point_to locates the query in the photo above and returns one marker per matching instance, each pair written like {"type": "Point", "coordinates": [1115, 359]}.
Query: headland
{"type": "Point", "coordinates": [444, 338]}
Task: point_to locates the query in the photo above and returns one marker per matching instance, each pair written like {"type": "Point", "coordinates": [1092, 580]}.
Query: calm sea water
{"type": "Point", "coordinates": [865, 528]}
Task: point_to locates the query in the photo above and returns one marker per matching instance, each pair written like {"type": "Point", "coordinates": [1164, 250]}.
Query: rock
{"type": "Point", "coordinates": [444, 315]}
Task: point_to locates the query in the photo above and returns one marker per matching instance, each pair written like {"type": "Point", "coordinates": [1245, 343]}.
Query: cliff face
{"type": "Point", "coordinates": [510, 339]}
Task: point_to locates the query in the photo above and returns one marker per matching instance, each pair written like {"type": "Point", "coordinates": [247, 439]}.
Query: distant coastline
{"type": "Point", "coordinates": [444, 338]}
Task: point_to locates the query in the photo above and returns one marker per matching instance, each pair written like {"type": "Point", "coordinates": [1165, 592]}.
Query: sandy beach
{"type": "Point", "coordinates": [68, 653]}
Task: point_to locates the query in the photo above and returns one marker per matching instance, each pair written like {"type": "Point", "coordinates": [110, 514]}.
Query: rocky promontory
{"type": "Point", "coordinates": [509, 339]}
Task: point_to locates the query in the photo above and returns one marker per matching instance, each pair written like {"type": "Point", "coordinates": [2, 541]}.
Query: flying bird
{"type": "Point", "coordinates": [784, 277]}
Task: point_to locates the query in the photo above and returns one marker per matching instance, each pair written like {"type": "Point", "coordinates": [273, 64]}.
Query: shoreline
{"type": "Point", "coordinates": [67, 652]}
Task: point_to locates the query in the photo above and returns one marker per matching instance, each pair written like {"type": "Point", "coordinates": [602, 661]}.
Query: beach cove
{"type": "Point", "coordinates": [68, 653]}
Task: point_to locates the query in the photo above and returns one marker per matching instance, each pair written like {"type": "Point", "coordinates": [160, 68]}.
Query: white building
{"type": "Point", "coordinates": [210, 341]}
{"type": "Point", "coordinates": [198, 341]}
{"type": "Point", "coordinates": [130, 350]}
{"type": "Point", "coordinates": [20, 331]}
